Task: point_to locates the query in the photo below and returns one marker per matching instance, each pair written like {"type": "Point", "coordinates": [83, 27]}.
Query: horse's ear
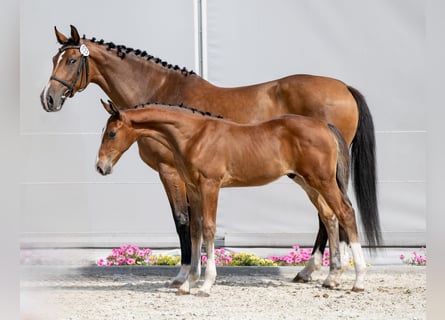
{"type": "Point", "coordinates": [61, 38]}
{"type": "Point", "coordinates": [110, 107]}
{"type": "Point", "coordinates": [75, 35]}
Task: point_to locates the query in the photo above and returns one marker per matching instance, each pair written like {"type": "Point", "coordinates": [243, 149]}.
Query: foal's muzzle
{"type": "Point", "coordinates": [103, 171]}
{"type": "Point", "coordinates": [104, 167]}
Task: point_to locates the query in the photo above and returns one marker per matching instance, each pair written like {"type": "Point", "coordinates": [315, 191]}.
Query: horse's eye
{"type": "Point", "coordinates": [111, 134]}
{"type": "Point", "coordinates": [71, 61]}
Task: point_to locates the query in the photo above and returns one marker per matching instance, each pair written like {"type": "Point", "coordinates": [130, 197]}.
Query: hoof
{"type": "Point", "coordinates": [203, 294]}
{"type": "Point", "coordinates": [176, 283]}
{"type": "Point", "coordinates": [300, 279]}
{"type": "Point", "coordinates": [355, 289]}
{"type": "Point", "coordinates": [182, 292]}
{"type": "Point", "coordinates": [331, 285]}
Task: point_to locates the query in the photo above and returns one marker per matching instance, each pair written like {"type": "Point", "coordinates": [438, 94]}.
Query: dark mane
{"type": "Point", "coordinates": [193, 110]}
{"type": "Point", "coordinates": [122, 51]}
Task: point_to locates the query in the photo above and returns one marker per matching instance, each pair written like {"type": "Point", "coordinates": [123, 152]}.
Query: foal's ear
{"type": "Point", "coordinates": [75, 35]}
{"type": "Point", "coordinates": [110, 107]}
{"type": "Point", "coordinates": [61, 38]}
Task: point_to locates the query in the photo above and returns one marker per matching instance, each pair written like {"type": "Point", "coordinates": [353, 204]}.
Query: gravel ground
{"type": "Point", "coordinates": [47, 293]}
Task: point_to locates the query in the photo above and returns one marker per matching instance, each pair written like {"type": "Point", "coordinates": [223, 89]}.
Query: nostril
{"type": "Point", "coordinates": [50, 101]}
{"type": "Point", "coordinates": [99, 169]}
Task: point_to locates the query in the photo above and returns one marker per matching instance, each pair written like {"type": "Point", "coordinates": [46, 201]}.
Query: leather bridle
{"type": "Point", "coordinates": [83, 71]}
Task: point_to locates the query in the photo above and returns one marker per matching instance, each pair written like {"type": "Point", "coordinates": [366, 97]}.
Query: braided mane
{"type": "Point", "coordinates": [182, 106]}
{"type": "Point", "coordinates": [122, 51]}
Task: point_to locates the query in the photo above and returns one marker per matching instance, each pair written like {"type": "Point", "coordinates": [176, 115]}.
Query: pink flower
{"type": "Point", "coordinates": [141, 254]}
{"type": "Point", "coordinates": [101, 262]}
{"type": "Point", "coordinates": [402, 256]}
{"type": "Point", "coordinates": [147, 251]}
{"type": "Point", "coordinates": [130, 261]}
{"type": "Point", "coordinates": [204, 259]}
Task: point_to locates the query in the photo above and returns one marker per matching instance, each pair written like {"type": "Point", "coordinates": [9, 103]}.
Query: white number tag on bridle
{"type": "Point", "coordinates": [84, 50]}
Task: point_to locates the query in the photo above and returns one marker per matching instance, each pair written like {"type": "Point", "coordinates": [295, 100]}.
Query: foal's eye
{"type": "Point", "coordinates": [71, 61]}
{"type": "Point", "coordinates": [111, 134]}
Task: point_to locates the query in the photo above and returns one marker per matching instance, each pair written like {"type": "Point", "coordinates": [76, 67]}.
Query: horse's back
{"type": "Point", "coordinates": [323, 98]}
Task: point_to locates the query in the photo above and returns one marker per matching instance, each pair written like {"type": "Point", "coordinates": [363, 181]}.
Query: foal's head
{"type": "Point", "coordinates": [117, 137]}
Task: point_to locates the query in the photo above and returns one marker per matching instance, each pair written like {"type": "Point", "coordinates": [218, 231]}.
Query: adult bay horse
{"type": "Point", "coordinates": [212, 153]}
{"type": "Point", "coordinates": [130, 76]}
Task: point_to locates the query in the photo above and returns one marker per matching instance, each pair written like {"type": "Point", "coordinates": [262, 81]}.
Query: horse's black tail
{"type": "Point", "coordinates": [364, 171]}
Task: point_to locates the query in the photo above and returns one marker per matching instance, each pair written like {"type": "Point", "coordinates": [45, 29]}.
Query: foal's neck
{"type": "Point", "coordinates": [169, 125]}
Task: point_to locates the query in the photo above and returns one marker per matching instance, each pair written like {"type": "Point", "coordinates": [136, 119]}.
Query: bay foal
{"type": "Point", "coordinates": [213, 153]}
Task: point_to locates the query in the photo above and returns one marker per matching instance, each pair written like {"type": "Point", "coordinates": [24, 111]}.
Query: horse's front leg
{"type": "Point", "coordinates": [176, 193]}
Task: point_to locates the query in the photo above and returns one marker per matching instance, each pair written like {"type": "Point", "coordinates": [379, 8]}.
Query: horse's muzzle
{"type": "Point", "coordinates": [51, 103]}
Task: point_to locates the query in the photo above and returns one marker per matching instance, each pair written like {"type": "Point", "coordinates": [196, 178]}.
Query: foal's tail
{"type": "Point", "coordinates": [343, 162]}
{"type": "Point", "coordinates": [364, 171]}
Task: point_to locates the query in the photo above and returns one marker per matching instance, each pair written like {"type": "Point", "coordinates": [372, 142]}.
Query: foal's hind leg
{"type": "Point", "coordinates": [329, 220]}
{"type": "Point", "coordinates": [346, 217]}
{"type": "Point", "coordinates": [316, 259]}
{"type": "Point", "coordinates": [332, 228]}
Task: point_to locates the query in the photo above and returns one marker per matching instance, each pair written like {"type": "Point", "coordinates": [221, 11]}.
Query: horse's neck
{"type": "Point", "coordinates": [169, 127]}
{"type": "Point", "coordinates": [135, 80]}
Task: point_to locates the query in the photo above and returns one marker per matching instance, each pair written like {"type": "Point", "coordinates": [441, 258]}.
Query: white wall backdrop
{"type": "Point", "coordinates": [376, 46]}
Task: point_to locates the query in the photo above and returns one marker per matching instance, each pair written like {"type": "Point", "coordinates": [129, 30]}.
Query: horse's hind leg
{"type": "Point", "coordinates": [176, 193]}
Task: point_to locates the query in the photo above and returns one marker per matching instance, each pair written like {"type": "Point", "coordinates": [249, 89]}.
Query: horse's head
{"type": "Point", "coordinates": [70, 71]}
{"type": "Point", "coordinates": [117, 137]}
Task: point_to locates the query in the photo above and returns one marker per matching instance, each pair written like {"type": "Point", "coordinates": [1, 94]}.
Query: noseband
{"type": "Point", "coordinates": [83, 69]}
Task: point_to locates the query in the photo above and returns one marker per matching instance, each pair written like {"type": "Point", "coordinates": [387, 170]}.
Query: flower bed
{"type": "Point", "coordinates": [417, 259]}
{"type": "Point", "coordinates": [133, 255]}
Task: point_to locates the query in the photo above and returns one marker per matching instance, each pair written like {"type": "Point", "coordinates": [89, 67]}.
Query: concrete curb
{"type": "Point", "coordinates": [74, 272]}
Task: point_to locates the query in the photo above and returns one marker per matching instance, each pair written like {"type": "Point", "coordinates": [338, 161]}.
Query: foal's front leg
{"type": "Point", "coordinates": [176, 193]}
{"type": "Point", "coordinates": [196, 239]}
{"type": "Point", "coordinates": [209, 196]}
